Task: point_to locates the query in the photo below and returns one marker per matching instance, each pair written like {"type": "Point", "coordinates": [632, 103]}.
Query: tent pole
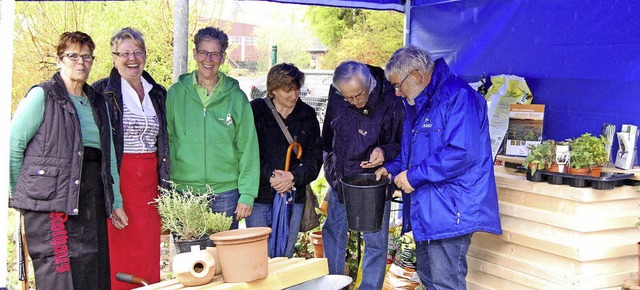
{"type": "Point", "coordinates": [407, 21]}
{"type": "Point", "coordinates": [7, 16]}
{"type": "Point", "coordinates": [180, 37]}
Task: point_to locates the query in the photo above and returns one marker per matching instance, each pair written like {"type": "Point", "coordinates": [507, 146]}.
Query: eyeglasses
{"type": "Point", "coordinates": [353, 98]}
{"type": "Point", "coordinates": [209, 54]}
{"type": "Point", "coordinates": [398, 86]}
{"type": "Point", "coordinates": [76, 56]}
{"type": "Point", "coordinates": [126, 55]}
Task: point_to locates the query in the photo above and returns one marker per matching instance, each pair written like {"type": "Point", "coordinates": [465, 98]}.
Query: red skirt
{"type": "Point", "coordinates": [135, 249]}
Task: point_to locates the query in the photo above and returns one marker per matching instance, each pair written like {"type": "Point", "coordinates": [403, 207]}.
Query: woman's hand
{"type": "Point", "coordinates": [119, 218]}
{"type": "Point", "coordinates": [282, 181]}
{"type": "Point", "coordinates": [243, 211]}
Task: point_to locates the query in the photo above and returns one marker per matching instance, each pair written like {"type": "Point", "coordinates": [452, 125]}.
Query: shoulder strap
{"type": "Point", "coordinates": [280, 122]}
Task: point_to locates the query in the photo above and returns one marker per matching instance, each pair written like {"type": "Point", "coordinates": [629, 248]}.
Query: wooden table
{"type": "Point", "coordinates": [283, 273]}
{"type": "Point", "coordinates": [557, 237]}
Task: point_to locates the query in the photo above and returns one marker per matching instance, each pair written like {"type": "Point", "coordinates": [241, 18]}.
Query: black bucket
{"type": "Point", "coordinates": [184, 246]}
{"type": "Point", "coordinates": [364, 199]}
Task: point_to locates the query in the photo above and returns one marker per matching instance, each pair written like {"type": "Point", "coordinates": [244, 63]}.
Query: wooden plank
{"type": "Point", "coordinates": [283, 273]}
{"type": "Point", "coordinates": [635, 171]}
{"type": "Point", "coordinates": [285, 277]}
{"type": "Point", "coordinates": [510, 159]}
{"type": "Point", "coordinates": [509, 279]}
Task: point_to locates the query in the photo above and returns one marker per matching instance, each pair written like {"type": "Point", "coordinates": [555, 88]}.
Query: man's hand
{"type": "Point", "coordinates": [119, 218]}
{"type": "Point", "coordinates": [402, 182]}
{"type": "Point", "coordinates": [282, 181]}
{"type": "Point", "coordinates": [243, 211]}
{"type": "Point", "coordinates": [383, 172]}
{"type": "Point", "coordinates": [376, 159]}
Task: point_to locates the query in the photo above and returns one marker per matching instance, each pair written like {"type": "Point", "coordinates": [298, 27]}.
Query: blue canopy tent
{"type": "Point", "coordinates": [581, 58]}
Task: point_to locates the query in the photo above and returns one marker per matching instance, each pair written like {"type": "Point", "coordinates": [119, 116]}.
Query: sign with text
{"type": "Point", "coordinates": [525, 128]}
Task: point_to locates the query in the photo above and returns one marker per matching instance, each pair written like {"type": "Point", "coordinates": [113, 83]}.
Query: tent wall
{"type": "Point", "coordinates": [581, 58]}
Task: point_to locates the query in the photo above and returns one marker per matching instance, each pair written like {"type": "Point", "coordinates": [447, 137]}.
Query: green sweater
{"type": "Point", "coordinates": [214, 145]}
{"type": "Point", "coordinates": [28, 118]}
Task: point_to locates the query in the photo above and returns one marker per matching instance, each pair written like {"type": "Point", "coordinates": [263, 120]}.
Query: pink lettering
{"type": "Point", "coordinates": [63, 268]}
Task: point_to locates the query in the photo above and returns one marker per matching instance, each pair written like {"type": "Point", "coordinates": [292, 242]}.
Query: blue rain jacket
{"type": "Point", "coordinates": [447, 151]}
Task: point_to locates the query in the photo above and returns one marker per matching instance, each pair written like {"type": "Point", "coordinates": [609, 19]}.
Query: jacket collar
{"type": "Point", "coordinates": [114, 85]}
{"type": "Point", "coordinates": [376, 95]}
{"type": "Point", "coordinates": [441, 73]}
{"type": "Point", "coordinates": [63, 94]}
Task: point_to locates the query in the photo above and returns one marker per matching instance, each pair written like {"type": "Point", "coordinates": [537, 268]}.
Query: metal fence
{"type": "Point", "coordinates": [317, 82]}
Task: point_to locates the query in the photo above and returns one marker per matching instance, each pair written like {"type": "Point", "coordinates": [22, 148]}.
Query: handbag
{"type": "Point", "coordinates": [309, 215]}
{"type": "Point", "coordinates": [310, 219]}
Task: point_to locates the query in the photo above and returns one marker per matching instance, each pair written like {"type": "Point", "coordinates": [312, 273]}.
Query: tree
{"type": "Point", "coordinates": [289, 32]}
{"type": "Point", "coordinates": [363, 35]}
{"type": "Point", "coordinates": [39, 25]}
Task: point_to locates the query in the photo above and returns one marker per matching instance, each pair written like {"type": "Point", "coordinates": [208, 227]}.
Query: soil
{"type": "Point", "coordinates": [363, 182]}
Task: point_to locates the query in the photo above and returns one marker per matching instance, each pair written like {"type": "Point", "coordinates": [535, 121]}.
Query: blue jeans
{"type": "Point", "coordinates": [226, 202]}
{"type": "Point", "coordinates": [334, 239]}
{"type": "Point", "coordinates": [442, 264]}
{"type": "Point", "coordinates": [262, 215]}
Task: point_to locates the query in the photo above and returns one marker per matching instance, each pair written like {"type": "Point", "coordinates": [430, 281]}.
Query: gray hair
{"type": "Point", "coordinates": [407, 59]}
{"type": "Point", "coordinates": [350, 69]}
{"type": "Point", "coordinates": [211, 34]}
{"type": "Point", "coordinates": [128, 33]}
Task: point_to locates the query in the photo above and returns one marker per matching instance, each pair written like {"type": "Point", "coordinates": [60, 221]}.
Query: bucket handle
{"type": "Point", "coordinates": [289, 149]}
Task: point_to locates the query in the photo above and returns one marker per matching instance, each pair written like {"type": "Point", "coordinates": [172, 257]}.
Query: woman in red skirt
{"type": "Point", "coordinates": [137, 112]}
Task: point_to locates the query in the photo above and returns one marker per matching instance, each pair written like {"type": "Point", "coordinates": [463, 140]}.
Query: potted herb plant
{"type": "Point", "coordinates": [539, 157]}
{"type": "Point", "coordinates": [587, 151]}
{"type": "Point", "coordinates": [188, 217]}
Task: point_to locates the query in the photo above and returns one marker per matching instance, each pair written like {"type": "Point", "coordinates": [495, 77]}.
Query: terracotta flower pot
{"type": "Point", "coordinates": [243, 254]}
{"type": "Point", "coordinates": [579, 171]}
{"type": "Point", "coordinates": [596, 171]}
{"type": "Point", "coordinates": [553, 167]}
{"type": "Point", "coordinates": [316, 240]}
{"type": "Point", "coordinates": [194, 268]}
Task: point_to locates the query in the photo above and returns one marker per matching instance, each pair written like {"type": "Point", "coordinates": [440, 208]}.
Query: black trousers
{"type": "Point", "coordinates": [72, 252]}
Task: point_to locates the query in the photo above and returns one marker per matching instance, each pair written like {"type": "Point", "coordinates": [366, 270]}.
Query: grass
{"type": "Point", "coordinates": [12, 256]}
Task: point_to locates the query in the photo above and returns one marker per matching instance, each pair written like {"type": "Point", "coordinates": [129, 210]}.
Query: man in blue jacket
{"type": "Point", "coordinates": [362, 129]}
{"type": "Point", "coordinates": [445, 168]}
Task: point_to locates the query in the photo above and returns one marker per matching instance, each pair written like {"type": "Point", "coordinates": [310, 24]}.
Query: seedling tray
{"type": "Point", "coordinates": [606, 181]}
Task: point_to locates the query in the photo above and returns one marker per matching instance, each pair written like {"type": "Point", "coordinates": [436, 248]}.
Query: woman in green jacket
{"type": "Point", "coordinates": [212, 136]}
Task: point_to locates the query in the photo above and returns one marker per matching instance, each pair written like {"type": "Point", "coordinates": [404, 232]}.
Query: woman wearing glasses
{"type": "Point", "coordinates": [212, 137]}
{"type": "Point", "coordinates": [136, 107]}
{"type": "Point", "coordinates": [63, 172]}
{"type": "Point", "coordinates": [362, 129]}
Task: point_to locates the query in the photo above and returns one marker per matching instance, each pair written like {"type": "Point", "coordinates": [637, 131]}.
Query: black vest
{"type": "Point", "coordinates": [49, 180]}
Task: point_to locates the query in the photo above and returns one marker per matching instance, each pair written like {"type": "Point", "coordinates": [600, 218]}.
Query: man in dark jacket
{"type": "Point", "coordinates": [445, 167]}
{"type": "Point", "coordinates": [362, 129]}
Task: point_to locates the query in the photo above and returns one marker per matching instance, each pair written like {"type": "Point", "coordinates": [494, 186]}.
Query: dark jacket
{"type": "Point", "coordinates": [446, 151]}
{"type": "Point", "coordinates": [349, 134]}
{"type": "Point", "coordinates": [304, 128]}
{"type": "Point", "coordinates": [50, 177]}
{"type": "Point", "coordinates": [112, 90]}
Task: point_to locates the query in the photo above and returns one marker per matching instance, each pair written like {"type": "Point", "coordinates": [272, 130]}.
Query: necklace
{"type": "Point", "coordinates": [209, 87]}
{"type": "Point", "coordinates": [82, 100]}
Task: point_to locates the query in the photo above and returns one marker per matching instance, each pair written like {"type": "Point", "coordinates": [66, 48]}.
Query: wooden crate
{"type": "Point", "coordinates": [557, 237]}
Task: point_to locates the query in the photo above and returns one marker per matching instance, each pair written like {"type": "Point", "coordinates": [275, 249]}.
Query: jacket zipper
{"type": "Point", "coordinates": [204, 133]}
